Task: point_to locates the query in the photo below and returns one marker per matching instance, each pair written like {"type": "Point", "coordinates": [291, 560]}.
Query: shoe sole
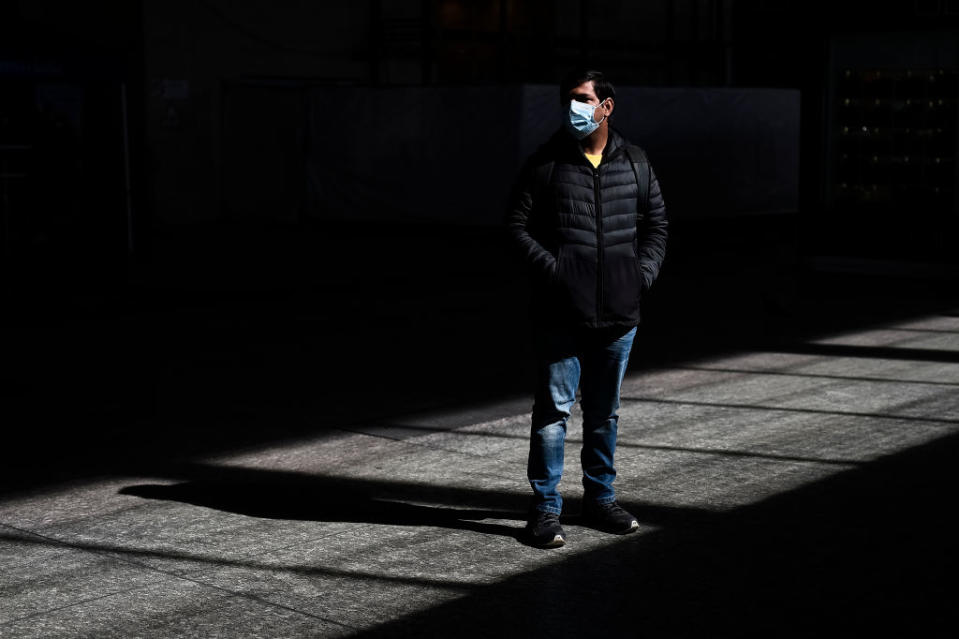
{"type": "Point", "coordinates": [633, 527]}
{"type": "Point", "coordinates": [556, 543]}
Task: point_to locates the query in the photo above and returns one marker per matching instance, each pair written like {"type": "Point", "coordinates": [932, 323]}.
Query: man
{"type": "Point", "coordinates": [587, 218]}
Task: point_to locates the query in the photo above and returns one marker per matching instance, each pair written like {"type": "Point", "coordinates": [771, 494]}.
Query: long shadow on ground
{"type": "Point", "coordinates": [276, 495]}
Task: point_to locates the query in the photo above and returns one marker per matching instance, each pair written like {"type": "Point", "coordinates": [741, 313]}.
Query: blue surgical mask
{"type": "Point", "coordinates": [580, 120]}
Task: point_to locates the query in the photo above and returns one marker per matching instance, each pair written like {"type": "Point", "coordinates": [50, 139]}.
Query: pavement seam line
{"type": "Point", "coordinates": [683, 449]}
{"type": "Point", "coordinates": [790, 409]}
{"type": "Point", "coordinates": [819, 375]}
{"type": "Point", "coordinates": [332, 572]}
{"type": "Point", "coordinates": [89, 517]}
{"type": "Point", "coordinates": [106, 554]}
{"type": "Point", "coordinates": [75, 603]}
{"type": "Point", "coordinates": [412, 442]}
{"type": "Point", "coordinates": [62, 544]}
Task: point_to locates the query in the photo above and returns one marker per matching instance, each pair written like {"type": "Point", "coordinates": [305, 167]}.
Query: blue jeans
{"type": "Point", "coordinates": [562, 354]}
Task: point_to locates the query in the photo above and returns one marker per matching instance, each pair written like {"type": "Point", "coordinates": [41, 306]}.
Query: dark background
{"type": "Point", "coordinates": [229, 222]}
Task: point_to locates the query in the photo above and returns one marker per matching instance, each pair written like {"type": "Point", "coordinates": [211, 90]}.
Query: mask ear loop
{"type": "Point", "coordinates": [605, 116]}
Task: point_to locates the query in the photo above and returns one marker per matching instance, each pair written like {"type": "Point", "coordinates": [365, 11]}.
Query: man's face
{"type": "Point", "coordinates": [586, 93]}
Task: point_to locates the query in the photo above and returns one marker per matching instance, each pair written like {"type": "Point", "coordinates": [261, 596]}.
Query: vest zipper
{"type": "Point", "coordinates": [599, 246]}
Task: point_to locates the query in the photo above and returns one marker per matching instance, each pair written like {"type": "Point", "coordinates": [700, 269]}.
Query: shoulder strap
{"type": "Point", "coordinates": [637, 157]}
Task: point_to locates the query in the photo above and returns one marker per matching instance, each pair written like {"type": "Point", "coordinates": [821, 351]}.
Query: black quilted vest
{"type": "Point", "coordinates": [589, 219]}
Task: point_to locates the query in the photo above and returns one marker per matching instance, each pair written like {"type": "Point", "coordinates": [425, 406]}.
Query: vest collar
{"type": "Point", "coordinates": [571, 150]}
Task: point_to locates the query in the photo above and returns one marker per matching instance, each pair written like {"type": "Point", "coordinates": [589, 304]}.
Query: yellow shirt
{"type": "Point", "coordinates": [594, 159]}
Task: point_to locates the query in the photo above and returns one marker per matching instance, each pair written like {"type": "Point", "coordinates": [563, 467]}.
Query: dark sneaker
{"type": "Point", "coordinates": [544, 531]}
{"type": "Point", "coordinates": [609, 518]}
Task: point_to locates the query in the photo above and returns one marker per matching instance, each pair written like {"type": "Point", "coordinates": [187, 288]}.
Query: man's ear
{"type": "Point", "coordinates": [610, 103]}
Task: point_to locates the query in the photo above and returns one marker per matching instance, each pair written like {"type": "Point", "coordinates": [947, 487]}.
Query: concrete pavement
{"type": "Point", "coordinates": [798, 491]}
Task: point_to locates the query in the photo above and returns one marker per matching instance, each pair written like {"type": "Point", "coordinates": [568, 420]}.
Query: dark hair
{"type": "Point", "coordinates": [575, 77]}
